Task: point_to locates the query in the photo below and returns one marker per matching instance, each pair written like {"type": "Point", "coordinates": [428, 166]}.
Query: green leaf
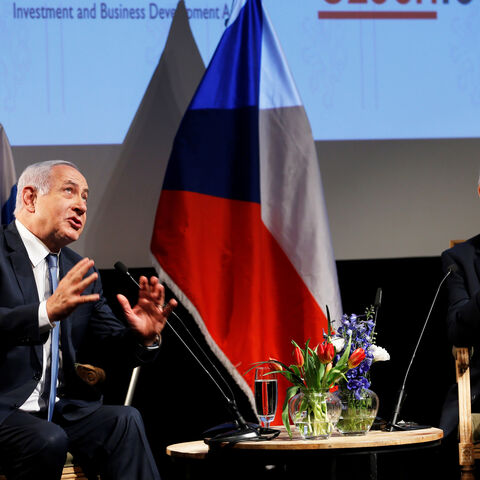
{"type": "Point", "coordinates": [344, 358]}
{"type": "Point", "coordinates": [255, 365]}
{"type": "Point", "coordinates": [292, 374]}
{"type": "Point", "coordinates": [320, 375]}
{"type": "Point", "coordinates": [264, 362]}
{"type": "Point", "coordinates": [292, 378]}
{"type": "Point", "coordinates": [294, 343]}
{"type": "Point", "coordinates": [295, 370]}
{"type": "Point", "coordinates": [306, 356]}
{"type": "Point", "coordinates": [333, 376]}
{"type": "Point", "coordinates": [291, 392]}
{"type": "Point", "coordinates": [309, 379]}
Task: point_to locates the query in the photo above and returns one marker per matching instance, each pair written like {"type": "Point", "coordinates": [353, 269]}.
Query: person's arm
{"type": "Point", "coordinates": [115, 343]}
{"type": "Point", "coordinates": [20, 326]}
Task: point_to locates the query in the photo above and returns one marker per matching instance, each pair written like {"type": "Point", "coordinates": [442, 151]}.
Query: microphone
{"type": "Point", "coordinates": [376, 307]}
{"type": "Point", "coordinates": [412, 426]}
{"type": "Point", "coordinates": [231, 433]}
{"type": "Point", "coordinates": [122, 268]}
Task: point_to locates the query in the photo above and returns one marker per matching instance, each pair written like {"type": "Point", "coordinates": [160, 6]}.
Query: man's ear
{"type": "Point", "coordinates": [478, 189]}
{"type": "Point", "coordinates": [29, 198]}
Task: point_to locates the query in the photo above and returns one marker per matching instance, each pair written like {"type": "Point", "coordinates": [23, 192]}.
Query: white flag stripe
{"type": "Point", "coordinates": [277, 87]}
{"type": "Point", "coordinates": [293, 205]}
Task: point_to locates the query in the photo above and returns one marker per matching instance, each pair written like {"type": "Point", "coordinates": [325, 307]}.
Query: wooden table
{"type": "Point", "coordinates": [297, 451]}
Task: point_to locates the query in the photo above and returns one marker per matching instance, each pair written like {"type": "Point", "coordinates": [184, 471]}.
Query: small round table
{"type": "Point", "coordinates": [297, 451]}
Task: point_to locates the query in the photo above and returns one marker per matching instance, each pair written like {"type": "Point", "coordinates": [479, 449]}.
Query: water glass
{"type": "Point", "coordinates": [266, 394]}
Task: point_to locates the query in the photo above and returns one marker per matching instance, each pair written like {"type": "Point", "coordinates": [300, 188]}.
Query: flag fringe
{"type": "Point", "coordinates": [218, 352]}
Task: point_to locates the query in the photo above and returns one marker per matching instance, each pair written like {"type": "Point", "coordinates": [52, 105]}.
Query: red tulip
{"type": "Point", "coordinates": [298, 355]}
{"type": "Point", "coordinates": [274, 365]}
{"type": "Point", "coordinates": [356, 358]}
{"type": "Point", "coordinates": [326, 352]}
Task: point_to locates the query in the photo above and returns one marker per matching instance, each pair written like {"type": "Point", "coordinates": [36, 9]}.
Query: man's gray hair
{"type": "Point", "coordinates": [37, 175]}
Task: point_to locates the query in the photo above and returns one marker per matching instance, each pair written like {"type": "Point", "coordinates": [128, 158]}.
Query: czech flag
{"type": "Point", "coordinates": [8, 180]}
{"type": "Point", "coordinates": [241, 232]}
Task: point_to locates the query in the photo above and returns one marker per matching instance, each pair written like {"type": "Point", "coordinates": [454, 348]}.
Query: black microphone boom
{"type": "Point", "coordinates": [231, 433]}
{"type": "Point", "coordinates": [394, 425]}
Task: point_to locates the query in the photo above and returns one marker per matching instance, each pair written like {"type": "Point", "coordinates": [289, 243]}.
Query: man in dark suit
{"type": "Point", "coordinates": [463, 318]}
{"type": "Point", "coordinates": [37, 299]}
{"type": "Point", "coordinates": [463, 328]}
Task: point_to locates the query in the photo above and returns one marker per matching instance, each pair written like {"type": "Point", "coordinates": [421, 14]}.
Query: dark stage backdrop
{"type": "Point", "coordinates": [178, 401]}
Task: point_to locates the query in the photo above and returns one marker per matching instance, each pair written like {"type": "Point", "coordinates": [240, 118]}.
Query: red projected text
{"type": "Point", "coordinates": [401, 2]}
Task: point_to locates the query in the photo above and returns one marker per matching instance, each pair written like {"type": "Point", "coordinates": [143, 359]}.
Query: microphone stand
{"type": "Point", "coordinates": [376, 307]}
{"type": "Point", "coordinates": [396, 413]}
{"type": "Point", "coordinates": [234, 432]}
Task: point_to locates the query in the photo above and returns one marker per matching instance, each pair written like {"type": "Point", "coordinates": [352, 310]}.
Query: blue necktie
{"type": "Point", "coordinates": [52, 261]}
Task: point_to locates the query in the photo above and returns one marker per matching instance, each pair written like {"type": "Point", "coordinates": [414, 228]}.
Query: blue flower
{"type": "Point", "coordinates": [359, 330]}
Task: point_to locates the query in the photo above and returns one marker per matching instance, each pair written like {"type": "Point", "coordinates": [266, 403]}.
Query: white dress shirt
{"type": "Point", "coordinates": [37, 253]}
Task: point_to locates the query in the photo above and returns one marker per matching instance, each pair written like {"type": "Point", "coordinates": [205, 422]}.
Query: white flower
{"type": "Point", "coordinates": [379, 353]}
{"type": "Point", "coordinates": [338, 343]}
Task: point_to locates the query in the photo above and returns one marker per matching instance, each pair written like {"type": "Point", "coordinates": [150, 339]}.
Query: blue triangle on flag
{"type": "Point", "coordinates": [216, 149]}
{"type": "Point", "coordinates": [9, 206]}
{"type": "Point", "coordinates": [232, 79]}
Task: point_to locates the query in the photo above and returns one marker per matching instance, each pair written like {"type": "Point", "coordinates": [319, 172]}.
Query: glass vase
{"type": "Point", "coordinates": [357, 414]}
{"type": "Point", "coordinates": [315, 414]}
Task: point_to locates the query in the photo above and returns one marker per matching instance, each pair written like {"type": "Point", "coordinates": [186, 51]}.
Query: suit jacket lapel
{"type": "Point", "coordinates": [21, 265]}
{"type": "Point", "coordinates": [477, 267]}
{"type": "Point", "coordinates": [22, 269]}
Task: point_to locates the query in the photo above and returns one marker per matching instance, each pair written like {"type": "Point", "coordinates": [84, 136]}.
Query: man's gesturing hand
{"type": "Point", "coordinates": [68, 294]}
{"type": "Point", "coordinates": [149, 315]}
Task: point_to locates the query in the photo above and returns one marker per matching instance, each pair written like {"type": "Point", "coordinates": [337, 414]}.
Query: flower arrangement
{"type": "Point", "coordinates": [360, 331]}
{"type": "Point", "coordinates": [360, 404]}
{"type": "Point", "coordinates": [315, 371]}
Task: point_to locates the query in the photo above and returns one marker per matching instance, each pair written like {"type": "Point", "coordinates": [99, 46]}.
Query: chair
{"type": "Point", "coordinates": [91, 375]}
{"type": "Point", "coordinates": [70, 471]}
{"type": "Point", "coordinates": [468, 452]}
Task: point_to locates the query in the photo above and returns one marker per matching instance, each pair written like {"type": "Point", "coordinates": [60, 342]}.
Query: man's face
{"type": "Point", "coordinates": [60, 215]}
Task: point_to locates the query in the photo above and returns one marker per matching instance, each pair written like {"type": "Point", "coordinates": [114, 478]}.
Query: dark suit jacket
{"type": "Point", "coordinates": [463, 318]}
{"type": "Point", "coordinates": [91, 331]}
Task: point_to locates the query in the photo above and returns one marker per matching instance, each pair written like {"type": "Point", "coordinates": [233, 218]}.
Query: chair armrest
{"type": "Point", "coordinates": [462, 358]}
{"type": "Point", "coordinates": [90, 374]}
{"type": "Point", "coordinates": [462, 368]}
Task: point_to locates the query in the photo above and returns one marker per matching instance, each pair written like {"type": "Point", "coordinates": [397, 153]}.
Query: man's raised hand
{"type": "Point", "coordinates": [69, 292]}
{"type": "Point", "coordinates": [149, 315]}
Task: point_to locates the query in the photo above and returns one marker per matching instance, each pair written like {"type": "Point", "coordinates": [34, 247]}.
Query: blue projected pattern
{"type": "Point", "coordinates": [365, 69]}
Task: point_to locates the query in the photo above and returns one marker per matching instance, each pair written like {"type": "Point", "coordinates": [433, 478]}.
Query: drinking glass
{"type": "Point", "coordinates": [266, 393]}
